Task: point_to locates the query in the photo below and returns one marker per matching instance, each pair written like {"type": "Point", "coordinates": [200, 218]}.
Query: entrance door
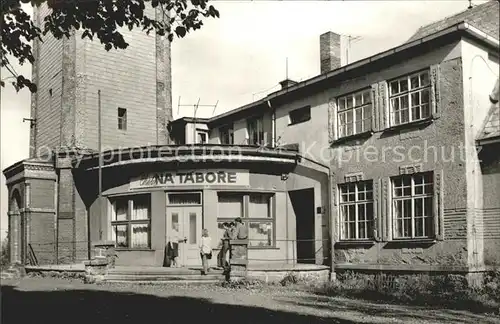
{"type": "Point", "coordinates": [188, 222]}
{"type": "Point", "coordinates": [303, 207]}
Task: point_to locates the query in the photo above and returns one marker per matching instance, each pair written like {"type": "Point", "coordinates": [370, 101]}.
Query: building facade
{"type": "Point", "coordinates": [388, 163]}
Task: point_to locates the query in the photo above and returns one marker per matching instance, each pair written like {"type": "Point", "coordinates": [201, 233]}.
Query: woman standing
{"type": "Point", "coordinates": [205, 250]}
{"type": "Point", "coordinates": [174, 243]}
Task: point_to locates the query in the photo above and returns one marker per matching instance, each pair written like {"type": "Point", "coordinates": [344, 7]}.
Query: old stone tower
{"type": "Point", "coordinates": [135, 87]}
{"type": "Point", "coordinates": [47, 217]}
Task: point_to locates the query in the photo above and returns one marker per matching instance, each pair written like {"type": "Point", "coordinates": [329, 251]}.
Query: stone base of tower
{"type": "Point", "coordinates": [47, 220]}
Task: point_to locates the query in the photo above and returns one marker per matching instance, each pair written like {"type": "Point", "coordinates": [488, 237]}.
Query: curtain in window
{"type": "Point", "coordinates": [230, 206]}
{"type": "Point", "coordinates": [260, 233]}
{"type": "Point", "coordinates": [184, 199]}
{"type": "Point", "coordinates": [120, 210]}
{"type": "Point", "coordinates": [140, 235]}
{"type": "Point", "coordinates": [259, 206]}
{"type": "Point", "coordinates": [140, 232]}
{"type": "Point", "coordinates": [141, 210]}
{"type": "Point", "coordinates": [119, 235]}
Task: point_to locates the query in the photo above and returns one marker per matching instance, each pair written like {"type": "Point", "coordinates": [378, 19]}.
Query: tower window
{"type": "Point", "coordinates": [122, 118]}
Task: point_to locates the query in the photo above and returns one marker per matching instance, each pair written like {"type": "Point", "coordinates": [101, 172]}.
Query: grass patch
{"type": "Point", "coordinates": [56, 274]}
{"type": "Point", "coordinates": [450, 290]}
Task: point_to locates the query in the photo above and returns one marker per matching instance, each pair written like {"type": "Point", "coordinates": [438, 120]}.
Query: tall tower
{"type": "Point", "coordinates": [135, 87]}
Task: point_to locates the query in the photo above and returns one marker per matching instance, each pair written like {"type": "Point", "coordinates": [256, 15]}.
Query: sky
{"type": "Point", "coordinates": [242, 56]}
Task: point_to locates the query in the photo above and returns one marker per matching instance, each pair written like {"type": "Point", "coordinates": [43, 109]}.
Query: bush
{"type": "Point", "coordinates": [242, 284]}
{"type": "Point", "coordinates": [450, 290]}
{"type": "Point", "coordinates": [4, 257]}
{"type": "Point", "coordinates": [289, 279]}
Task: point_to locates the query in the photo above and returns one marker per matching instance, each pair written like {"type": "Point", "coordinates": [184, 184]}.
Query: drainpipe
{"type": "Point", "coordinates": [56, 205]}
{"type": "Point", "coordinates": [332, 223]}
{"type": "Point", "coordinates": [285, 178]}
{"type": "Point", "coordinates": [273, 122]}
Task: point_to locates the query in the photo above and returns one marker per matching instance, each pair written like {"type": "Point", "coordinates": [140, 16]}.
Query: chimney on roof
{"type": "Point", "coordinates": [287, 83]}
{"type": "Point", "coordinates": [331, 51]}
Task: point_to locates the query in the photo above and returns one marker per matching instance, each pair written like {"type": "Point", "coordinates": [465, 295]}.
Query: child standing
{"type": "Point", "coordinates": [205, 250]}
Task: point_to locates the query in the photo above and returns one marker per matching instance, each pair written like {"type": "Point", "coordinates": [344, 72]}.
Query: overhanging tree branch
{"type": "Point", "coordinates": [101, 19]}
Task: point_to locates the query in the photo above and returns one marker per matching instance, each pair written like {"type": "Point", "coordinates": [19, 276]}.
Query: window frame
{"type": "Point", "coordinates": [199, 134]}
{"type": "Point", "coordinates": [408, 95]}
{"type": "Point", "coordinates": [245, 196]}
{"type": "Point", "coordinates": [122, 120]}
{"type": "Point", "coordinates": [300, 120]}
{"type": "Point", "coordinates": [356, 202]}
{"type": "Point", "coordinates": [229, 130]}
{"type": "Point", "coordinates": [129, 221]}
{"type": "Point", "coordinates": [370, 105]}
{"type": "Point", "coordinates": [412, 198]}
{"type": "Point", "coordinates": [259, 130]}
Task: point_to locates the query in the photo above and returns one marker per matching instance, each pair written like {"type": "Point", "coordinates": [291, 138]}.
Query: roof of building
{"type": "Point", "coordinates": [491, 129]}
{"type": "Point", "coordinates": [484, 17]}
{"type": "Point", "coordinates": [412, 47]}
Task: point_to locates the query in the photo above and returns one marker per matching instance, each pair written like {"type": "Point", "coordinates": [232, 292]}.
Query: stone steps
{"type": "Point", "coordinates": [163, 282]}
{"type": "Point", "coordinates": [164, 278]}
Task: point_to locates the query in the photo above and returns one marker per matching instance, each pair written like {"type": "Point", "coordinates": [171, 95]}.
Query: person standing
{"type": "Point", "coordinates": [226, 237]}
{"type": "Point", "coordinates": [241, 232]}
{"type": "Point", "coordinates": [205, 250]}
{"type": "Point", "coordinates": [174, 240]}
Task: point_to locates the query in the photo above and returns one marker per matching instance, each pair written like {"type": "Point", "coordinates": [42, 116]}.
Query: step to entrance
{"type": "Point", "coordinates": [148, 277]}
{"type": "Point", "coordinates": [163, 282]}
{"type": "Point", "coordinates": [162, 275]}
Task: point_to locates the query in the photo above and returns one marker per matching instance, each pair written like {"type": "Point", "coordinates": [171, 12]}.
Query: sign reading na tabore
{"type": "Point", "coordinates": [192, 178]}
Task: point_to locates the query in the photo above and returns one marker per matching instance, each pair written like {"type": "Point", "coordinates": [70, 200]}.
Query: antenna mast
{"type": "Point", "coordinates": [350, 39]}
{"type": "Point", "coordinates": [195, 106]}
{"type": "Point", "coordinates": [286, 73]}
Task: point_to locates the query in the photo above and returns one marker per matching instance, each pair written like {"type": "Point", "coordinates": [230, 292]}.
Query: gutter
{"type": "Point", "coordinates": [486, 141]}
{"type": "Point", "coordinates": [199, 158]}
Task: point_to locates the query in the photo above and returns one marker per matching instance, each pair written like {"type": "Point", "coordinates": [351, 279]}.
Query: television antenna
{"type": "Point", "coordinates": [195, 110]}
{"type": "Point", "coordinates": [350, 40]}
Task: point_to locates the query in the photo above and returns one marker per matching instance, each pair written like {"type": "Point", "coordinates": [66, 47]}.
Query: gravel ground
{"type": "Point", "coordinates": [58, 301]}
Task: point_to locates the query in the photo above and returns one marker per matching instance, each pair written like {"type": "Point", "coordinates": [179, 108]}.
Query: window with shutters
{"type": "Point", "coordinates": [413, 206]}
{"type": "Point", "coordinates": [354, 113]}
{"type": "Point", "coordinates": [356, 210]}
{"type": "Point", "coordinates": [409, 98]}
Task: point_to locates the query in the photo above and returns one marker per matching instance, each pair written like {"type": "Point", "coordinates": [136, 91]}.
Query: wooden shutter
{"type": "Point", "coordinates": [383, 105]}
{"type": "Point", "coordinates": [438, 205]}
{"type": "Point", "coordinates": [336, 212]}
{"type": "Point", "coordinates": [386, 208]}
{"type": "Point", "coordinates": [435, 95]}
{"type": "Point", "coordinates": [375, 107]}
{"type": "Point", "coordinates": [377, 215]}
{"type": "Point", "coordinates": [332, 120]}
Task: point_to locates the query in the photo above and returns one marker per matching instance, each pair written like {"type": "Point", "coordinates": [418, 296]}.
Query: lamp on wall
{"type": "Point", "coordinates": [284, 176]}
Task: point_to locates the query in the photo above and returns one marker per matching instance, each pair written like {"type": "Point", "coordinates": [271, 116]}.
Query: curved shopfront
{"type": "Point", "coordinates": [145, 197]}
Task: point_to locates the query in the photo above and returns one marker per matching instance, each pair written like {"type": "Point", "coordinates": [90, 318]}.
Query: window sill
{"type": "Point", "coordinates": [419, 123]}
{"type": "Point", "coordinates": [299, 122]}
{"type": "Point", "coordinates": [134, 249]}
{"type": "Point", "coordinates": [344, 139]}
{"type": "Point", "coordinates": [355, 243]}
{"type": "Point", "coordinates": [263, 248]}
{"type": "Point", "coordinates": [416, 241]}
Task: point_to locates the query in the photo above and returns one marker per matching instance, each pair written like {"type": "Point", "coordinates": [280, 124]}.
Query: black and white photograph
{"type": "Point", "coordinates": [250, 161]}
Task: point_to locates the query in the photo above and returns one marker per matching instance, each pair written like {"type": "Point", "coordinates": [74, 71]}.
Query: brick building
{"type": "Point", "coordinates": [388, 163]}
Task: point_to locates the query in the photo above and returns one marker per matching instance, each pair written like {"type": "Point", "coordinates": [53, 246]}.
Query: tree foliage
{"type": "Point", "coordinates": [98, 19]}
{"type": "Point", "coordinates": [4, 254]}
